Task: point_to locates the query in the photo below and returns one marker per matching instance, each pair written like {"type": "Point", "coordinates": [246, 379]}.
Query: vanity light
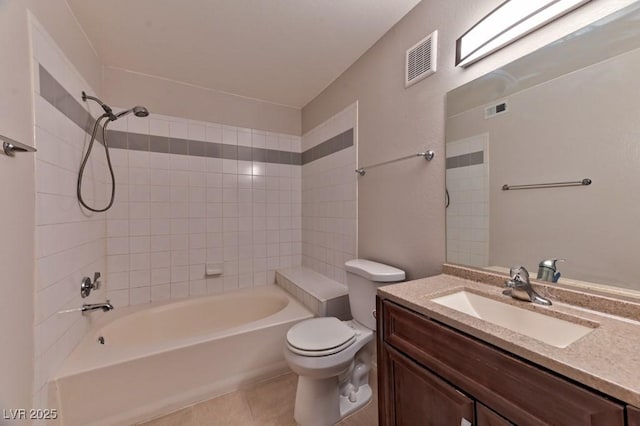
{"type": "Point", "coordinates": [507, 23]}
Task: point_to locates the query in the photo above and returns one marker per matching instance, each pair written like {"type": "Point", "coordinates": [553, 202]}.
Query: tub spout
{"type": "Point", "coordinates": [106, 306]}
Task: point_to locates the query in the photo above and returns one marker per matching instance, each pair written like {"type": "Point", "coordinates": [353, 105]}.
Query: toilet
{"type": "Point", "coordinates": [332, 358]}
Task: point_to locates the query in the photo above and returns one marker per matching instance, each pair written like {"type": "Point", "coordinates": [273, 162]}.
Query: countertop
{"type": "Point", "coordinates": [607, 359]}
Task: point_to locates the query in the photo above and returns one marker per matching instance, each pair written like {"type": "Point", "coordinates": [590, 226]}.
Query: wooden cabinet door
{"type": "Point", "coordinates": [633, 416]}
{"type": "Point", "coordinates": [487, 417]}
{"type": "Point", "coordinates": [420, 398]}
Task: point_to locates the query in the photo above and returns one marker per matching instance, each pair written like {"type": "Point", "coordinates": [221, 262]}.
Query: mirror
{"type": "Point", "coordinates": [567, 112]}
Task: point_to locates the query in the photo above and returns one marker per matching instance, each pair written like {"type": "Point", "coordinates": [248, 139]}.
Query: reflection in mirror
{"type": "Point", "coordinates": [567, 112]}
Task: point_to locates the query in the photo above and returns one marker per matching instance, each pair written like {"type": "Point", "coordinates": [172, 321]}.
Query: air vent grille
{"type": "Point", "coordinates": [496, 109]}
{"type": "Point", "coordinates": [421, 59]}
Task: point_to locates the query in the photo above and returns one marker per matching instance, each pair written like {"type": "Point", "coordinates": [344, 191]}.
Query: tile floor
{"type": "Point", "coordinates": [268, 403]}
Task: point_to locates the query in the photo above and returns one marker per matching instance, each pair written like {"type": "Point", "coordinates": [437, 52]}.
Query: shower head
{"type": "Point", "coordinates": [138, 111]}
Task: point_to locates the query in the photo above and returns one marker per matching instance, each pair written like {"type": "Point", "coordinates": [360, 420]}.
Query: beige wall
{"type": "Point", "coordinates": [401, 216]}
{"type": "Point", "coordinates": [18, 197]}
{"type": "Point", "coordinates": [167, 97]}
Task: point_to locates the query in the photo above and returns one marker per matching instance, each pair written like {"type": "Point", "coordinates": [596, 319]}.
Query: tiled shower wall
{"type": "Point", "coordinates": [70, 243]}
{"type": "Point", "coordinates": [468, 212]}
{"type": "Point", "coordinates": [329, 195]}
{"type": "Point", "coordinates": [196, 197]}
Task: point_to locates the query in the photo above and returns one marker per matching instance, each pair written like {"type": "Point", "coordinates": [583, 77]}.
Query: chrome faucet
{"type": "Point", "coordinates": [106, 306]}
{"type": "Point", "coordinates": [520, 288]}
{"type": "Point", "coordinates": [548, 271]}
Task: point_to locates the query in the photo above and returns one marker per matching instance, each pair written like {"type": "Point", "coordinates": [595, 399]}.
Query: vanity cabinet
{"type": "Point", "coordinates": [431, 374]}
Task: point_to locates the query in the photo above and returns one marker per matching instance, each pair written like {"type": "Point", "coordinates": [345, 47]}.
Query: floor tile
{"type": "Point", "coordinates": [179, 418]}
{"type": "Point", "coordinates": [273, 399]}
{"type": "Point", "coordinates": [227, 410]}
{"type": "Point", "coordinates": [268, 403]}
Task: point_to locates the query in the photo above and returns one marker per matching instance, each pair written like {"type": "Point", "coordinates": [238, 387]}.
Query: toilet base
{"type": "Point", "coordinates": [319, 403]}
{"type": "Point", "coordinates": [363, 396]}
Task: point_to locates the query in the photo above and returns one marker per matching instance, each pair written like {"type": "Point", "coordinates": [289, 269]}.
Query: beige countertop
{"type": "Point", "coordinates": [607, 359]}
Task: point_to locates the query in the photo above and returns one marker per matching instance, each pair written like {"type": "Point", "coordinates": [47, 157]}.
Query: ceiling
{"type": "Point", "coordinates": [280, 51]}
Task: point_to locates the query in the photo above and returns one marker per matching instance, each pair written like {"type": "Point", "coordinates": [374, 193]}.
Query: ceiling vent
{"type": "Point", "coordinates": [421, 59]}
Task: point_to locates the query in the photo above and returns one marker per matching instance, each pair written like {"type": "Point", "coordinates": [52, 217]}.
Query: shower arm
{"type": "Point", "coordinates": [107, 109]}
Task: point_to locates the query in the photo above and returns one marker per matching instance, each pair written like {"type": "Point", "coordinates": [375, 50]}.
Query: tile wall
{"type": "Point", "coordinates": [329, 195]}
{"type": "Point", "coordinates": [468, 212]}
{"type": "Point", "coordinates": [70, 242]}
{"type": "Point", "coordinates": [197, 196]}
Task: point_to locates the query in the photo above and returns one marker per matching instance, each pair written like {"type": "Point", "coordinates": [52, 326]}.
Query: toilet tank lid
{"type": "Point", "coordinates": [374, 271]}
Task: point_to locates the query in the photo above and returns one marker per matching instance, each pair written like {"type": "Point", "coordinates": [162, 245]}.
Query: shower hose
{"type": "Point", "coordinates": [84, 163]}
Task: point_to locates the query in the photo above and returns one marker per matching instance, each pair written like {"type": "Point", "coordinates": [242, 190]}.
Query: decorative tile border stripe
{"type": "Point", "coordinates": [54, 93]}
{"type": "Point", "coordinates": [167, 145]}
{"type": "Point", "coordinates": [63, 101]}
{"type": "Point", "coordinates": [471, 159]}
{"type": "Point", "coordinates": [328, 147]}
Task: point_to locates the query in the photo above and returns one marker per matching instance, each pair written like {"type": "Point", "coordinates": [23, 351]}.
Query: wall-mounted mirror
{"type": "Point", "coordinates": [567, 112]}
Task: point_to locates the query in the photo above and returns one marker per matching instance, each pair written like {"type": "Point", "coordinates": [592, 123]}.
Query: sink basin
{"type": "Point", "coordinates": [553, 331]}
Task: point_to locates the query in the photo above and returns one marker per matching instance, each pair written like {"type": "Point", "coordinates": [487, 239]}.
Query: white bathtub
{"type": "Point", "coordinates": [163, 357]}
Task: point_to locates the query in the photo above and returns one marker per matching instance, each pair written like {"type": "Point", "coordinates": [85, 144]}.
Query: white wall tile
{"type": "Point", "coordinates": [70, 243]}
{"type": "Point", "coordinates": [213, 133]}
{"type": "Point", "coordinates": [327, 190]}
{"type": "Point", "coordinates": [178, 129]}
{"type": "Point", "coordinates": [229, 135]}
{"type": "Point", "coordinates": [175, 213]}
{"type": "Point", "coordinates": [161, 293]}
{"type": "Point", "coordinates": [244, 137]}
{"type": "Point", "coordinates": [196, 131]}
{"type": "Point", "coordinates": [138, 296]}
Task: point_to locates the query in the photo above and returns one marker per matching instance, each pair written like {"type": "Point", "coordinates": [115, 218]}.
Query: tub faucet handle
{"type": "Point", "coordinates": [86, 285]}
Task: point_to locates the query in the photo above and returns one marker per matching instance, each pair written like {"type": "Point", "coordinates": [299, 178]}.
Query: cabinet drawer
{"type": "Point", "coordinates": [517, 390]}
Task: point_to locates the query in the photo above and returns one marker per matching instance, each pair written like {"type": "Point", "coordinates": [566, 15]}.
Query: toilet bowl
{"type": "Point", "coordinates": [332, 358]}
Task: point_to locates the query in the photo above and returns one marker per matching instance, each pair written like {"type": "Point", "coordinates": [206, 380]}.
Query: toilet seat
{"type": "Point", "coordinates": [320, 337]}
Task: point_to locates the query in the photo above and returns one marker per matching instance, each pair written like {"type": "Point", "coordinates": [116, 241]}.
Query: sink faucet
{"type": "Point", "coordinates": [520, 288]}
{"type": "Point", "coordinates": [548, 271]}
{"type": "Point", "coordinates": [106, 306]}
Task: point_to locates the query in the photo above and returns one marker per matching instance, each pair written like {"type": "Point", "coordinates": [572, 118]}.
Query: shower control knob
{"type": "Point", "coordinates": [87, 285]}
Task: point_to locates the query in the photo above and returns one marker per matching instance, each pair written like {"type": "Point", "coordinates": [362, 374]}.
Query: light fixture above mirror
{"type": "Point", "coordinates": [507, 23]}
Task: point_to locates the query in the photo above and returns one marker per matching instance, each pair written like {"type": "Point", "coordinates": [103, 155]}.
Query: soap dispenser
{"type": "Point", "coordinates": [547, 270]}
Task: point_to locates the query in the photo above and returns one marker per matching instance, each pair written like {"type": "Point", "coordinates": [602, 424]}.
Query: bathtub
{"type": "Point", "coordinates": [161, 357]}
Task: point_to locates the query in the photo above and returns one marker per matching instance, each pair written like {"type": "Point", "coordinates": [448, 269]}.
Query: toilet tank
{"type": "Point", "coordinates": [363, 279]}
